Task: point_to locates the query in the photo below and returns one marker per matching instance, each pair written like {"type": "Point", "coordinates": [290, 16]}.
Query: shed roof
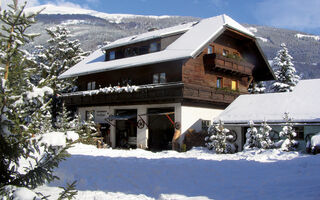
{"type": "Point", "coordinates": [302, 104]}
{"type": "Point", "coordinates": [189, 45]}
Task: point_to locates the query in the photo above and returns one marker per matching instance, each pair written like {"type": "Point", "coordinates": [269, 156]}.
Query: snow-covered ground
{"type": "Point", "coordinates": [315, 37]}
{"type": "Point", "coordinates": [196, 174]}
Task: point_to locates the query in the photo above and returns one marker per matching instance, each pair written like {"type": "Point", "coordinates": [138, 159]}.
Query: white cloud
{"type": "Point", "coordinates": [65, 4]}
{"type": "Point", "coordinates": [293, 14]}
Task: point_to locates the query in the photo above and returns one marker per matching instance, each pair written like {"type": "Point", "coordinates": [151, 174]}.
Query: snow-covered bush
{"type": "Point", "coordinates": [263, 136]}
{"type": "Point", "coordinates": [251, 137]}
{"type": "Point", "coordinates": [217, 139]}
{"type": "Point", "coordinates": [258, 138]}
{"type": "Point", "coordinates": [285, 72]}
{"type": "Point", "coordinates": [288, 134]}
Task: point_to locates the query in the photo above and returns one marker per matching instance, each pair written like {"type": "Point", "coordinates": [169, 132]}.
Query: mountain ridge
{"type": "Point", "coordinates": [94, 30]}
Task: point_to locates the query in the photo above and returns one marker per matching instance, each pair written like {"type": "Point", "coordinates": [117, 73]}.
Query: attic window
{"type": "Point", "coordinates": [112, 55]}
{"type": "Point", "coordinates": [154, 46]}
{"type": "Point", "coordinates": [210, 50]}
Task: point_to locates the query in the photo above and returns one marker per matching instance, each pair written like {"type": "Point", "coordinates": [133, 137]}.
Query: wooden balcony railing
{"type": "Point", "coordinates": [217, 62]}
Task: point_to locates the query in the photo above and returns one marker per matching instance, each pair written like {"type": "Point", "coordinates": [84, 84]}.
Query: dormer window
{"type": "Point", "coordinates": [112, 55]}
{"type": "Point", "coordinates": [154, 46]}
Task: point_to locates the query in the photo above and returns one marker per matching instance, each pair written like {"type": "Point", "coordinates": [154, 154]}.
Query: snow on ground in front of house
{"type": "Point", "coordinates": [196, 174]}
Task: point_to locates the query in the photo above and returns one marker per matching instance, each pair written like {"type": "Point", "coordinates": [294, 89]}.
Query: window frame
{"type": "Point", "coordinates": [219, 82]}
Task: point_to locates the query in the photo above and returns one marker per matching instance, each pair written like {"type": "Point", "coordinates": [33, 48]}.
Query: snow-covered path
{"type": "Point", "coordinates": [197, 174]}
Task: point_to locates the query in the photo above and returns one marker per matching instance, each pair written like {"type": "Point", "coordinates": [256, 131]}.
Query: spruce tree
{"type": "Point", "coordinates": [257, 88]}
{"type": "Point", "coordinates": [263, 136]}
{"type": "Point", "coordinates": [285, 72]}
{"type": "Point", "coordinates": [288, 134]}
{"type": "Point", "coordinates": [19, 120]}
{"type": "Point", "coordinates": [217, 139]}
{"type": "Point", "coordinates": [251, 137]}
{"type": "Point", "coordinates": [61, 54]}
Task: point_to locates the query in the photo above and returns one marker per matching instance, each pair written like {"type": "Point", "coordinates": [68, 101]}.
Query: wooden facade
{"type": "Point", "coordinates": [215, 77]}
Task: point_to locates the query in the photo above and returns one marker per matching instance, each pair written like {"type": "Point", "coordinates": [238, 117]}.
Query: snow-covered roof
{"type": "Point", "coordinates": [302, 104]}
{"type": "Point", "coordinates": [189, 45]}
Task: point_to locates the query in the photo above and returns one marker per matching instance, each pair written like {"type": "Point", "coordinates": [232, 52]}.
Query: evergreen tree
{"type": "Point", "coordinates": [257, 88]}
{"type": "Point", "coordinates": [251, 137]}
{"type": "Point", "coordinates": [263, 136]}
{"type": "Point", "coordinates": [63, 120]}
{"type": "Point", "coordinates": [61, 54]}
{"type": "Point", "coordinates": [217, 138]}
{"type": "Point", "coordinates": [288, 133]}
{"type": "Point", "coordinates": [18, 118]}
{"type": "Point", "coordinates": [284, 71]}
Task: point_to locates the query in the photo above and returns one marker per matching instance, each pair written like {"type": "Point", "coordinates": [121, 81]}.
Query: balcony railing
{"type": "Point", "coordinates": [217, 62]}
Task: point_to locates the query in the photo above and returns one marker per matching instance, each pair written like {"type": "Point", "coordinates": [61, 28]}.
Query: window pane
{"type": "Point", "coordinates": [153, 47]}
{"type": "Point", "coordinates": [234, 85]}
{"type": "Point", "coordinates": [89, 86]}
{"type": "Point", "coordinates": [155, 78]}
{"type": "Point", "coordinates": [219, 82]}
{"type": "Point", "coordinates": [93, 85]}
{"type": "Point", "coordinates": [163, 78]}
{"type": "Point", "coordinates": [112, 55]}
{"type": "Point", "coordinates": [210, 50]}
{"type": "Point", "coordinates": [225, 52]}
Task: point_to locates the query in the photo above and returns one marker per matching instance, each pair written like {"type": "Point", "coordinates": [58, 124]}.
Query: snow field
{"type": "Point", "coordinates": [196, 174]}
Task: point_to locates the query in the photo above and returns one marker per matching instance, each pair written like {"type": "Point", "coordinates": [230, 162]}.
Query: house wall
{"type": "Point", "coordinates": [135, 76]}
{"type": "Point", "coordinates": [191, 118]}
{"type": "Point", "coordinates": [142, 134]}
{"type": "Point", "coordinates": [194, 71]}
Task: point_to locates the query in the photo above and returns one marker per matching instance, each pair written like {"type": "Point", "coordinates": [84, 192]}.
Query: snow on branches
{"type": "Point", "coordinates": [217, 139]}
{"type": "Point", "coordinates": [288, 133]}
{"type": "Point", "coordinates": [285, 71]}
{"type": "Point", "coordinates": [258, 138]}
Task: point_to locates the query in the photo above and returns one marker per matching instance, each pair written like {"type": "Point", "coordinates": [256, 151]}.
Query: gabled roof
{"type": "Point", "coordinates": [302, 104]}
{"type": "Point", "coordinates": [189, 45]}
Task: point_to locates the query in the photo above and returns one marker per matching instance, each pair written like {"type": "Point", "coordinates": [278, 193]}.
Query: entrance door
{"type": "Point", "coordinates": [161, 129]}
{"type": "Point", "coordinates": [126, 128]}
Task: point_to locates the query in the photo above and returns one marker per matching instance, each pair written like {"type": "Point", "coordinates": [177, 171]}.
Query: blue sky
{"type": "Point", "coordinates": [302, 15]}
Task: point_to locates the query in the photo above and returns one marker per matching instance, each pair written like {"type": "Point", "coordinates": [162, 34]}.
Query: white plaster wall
{"type": "Point", "coordinates": [191, 117]}
{"type": "Point", "coordinates": [142, 134]}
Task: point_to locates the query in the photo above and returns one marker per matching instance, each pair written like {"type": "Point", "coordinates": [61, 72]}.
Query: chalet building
{"type": "Point", "coordinates": [301, 104]}
{"type": "Point", "coordinates": [147, 90]}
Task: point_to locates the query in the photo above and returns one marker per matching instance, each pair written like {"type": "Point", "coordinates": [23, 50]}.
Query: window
{"type": "Point", "coordinates": [88, 113]}
{"type": "Point", "coordinates": [300, 132]}
{"type": "Point", "coordinates": [112, 55]}
{"type": "Point", "coordinates": [159, 78]}
{"type": "Point", "coordinates": [205, 125]}
{"type": "Point", "coordinates": [163, 78]}
{"type": "Point", "coordinates": [153, 47]}
{"type": "Point", "coordinates": [91, 85]}
{"type": "Point", "coordinates": [225, 52]}
{"type": "Point", "coordinates": [234, 85]}
{"type": "Point", "coordinates": [210, 50]}
{"type": "Point", "coordinates": [219, 82]}
{"type": "Point", "coordinates": [236, 55]}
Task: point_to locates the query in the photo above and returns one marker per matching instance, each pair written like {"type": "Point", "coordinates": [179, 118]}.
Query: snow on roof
{"type": "Point", "coordinates": [301, 104]}
{"type": "Point", "coordinates": [186, 46]}
{"type": "Point", "coordinates": [150, 35]}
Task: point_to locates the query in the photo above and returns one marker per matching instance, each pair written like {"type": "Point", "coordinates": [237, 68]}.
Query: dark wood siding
{"type": "Point", "coordinates": [136, 75]}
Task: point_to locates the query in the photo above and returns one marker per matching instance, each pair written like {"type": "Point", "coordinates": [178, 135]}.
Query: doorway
{"type": "Point", "coordinates": [126, 128]}
{"type": "Point", "coordinates": [161, 128]}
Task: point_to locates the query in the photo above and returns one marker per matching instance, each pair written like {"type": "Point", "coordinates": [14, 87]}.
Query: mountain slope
{"type": "Point", "coordinates": [94, 28]}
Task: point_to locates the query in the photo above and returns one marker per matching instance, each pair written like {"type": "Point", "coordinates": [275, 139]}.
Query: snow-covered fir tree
{"type": "Point", "coordinates": [263, 136]}
{"type": "Point", "coordinates": [19, 99]}
{"type": "Point", "coordinates": [257, 88]}
{"type": "Point", "coordinates": [63, 119]}
{"type": "Point", "coordinates": [60, 54]}
{"type": "Point", "coordinates": [251, 137]}
{"type": "Point", "coordinates": [285, 71]}
{"type": "Point", "coordinates": [288, 133]}
{"type": "Point", "coordinates": [217, 139]}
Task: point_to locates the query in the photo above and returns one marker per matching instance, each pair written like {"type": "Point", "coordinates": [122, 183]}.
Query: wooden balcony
{"type": "Point", "coordinates": [215, 95]}
{"type": "Point", "coordinates": [217, 62]}
{"type": "Point", "coordinates": [151, 94]}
